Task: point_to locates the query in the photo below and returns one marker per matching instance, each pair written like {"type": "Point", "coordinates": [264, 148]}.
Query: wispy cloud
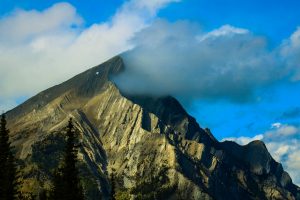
{"type": "Point", "coordinates": [223, 31]}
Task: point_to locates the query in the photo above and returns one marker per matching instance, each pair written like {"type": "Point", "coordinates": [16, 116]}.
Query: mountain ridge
{"type": "Point", "coordinates": [136, 135]}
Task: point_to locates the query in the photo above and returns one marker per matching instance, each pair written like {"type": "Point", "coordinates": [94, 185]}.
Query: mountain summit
{"type": "Point", "coordinates": [154, 148]}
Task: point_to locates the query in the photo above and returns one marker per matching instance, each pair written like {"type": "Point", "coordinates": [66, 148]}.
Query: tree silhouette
{"type": "Point", "coordinates": [66, 179]}
{"type": "Point", "coordinates": [113, 186]}
{"type": "Point", "coordinates": [8, 169]}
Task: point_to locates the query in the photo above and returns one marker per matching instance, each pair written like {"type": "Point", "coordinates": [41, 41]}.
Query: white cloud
{"type": "Point", "coordinates": [21, 26]}
{"type": "Point", "coordinates": [180, 59]}
{"type": "Point", "coordinates": [288, 153]}
{"type": "Point", "coordinates": [276, 125]}
{"type": "Point", "coordinates": [42, 48]}
{"type": "Point", "coordinates": [228, 62]}
{"type": "Point", "coordinates": [282, 131]}
{"type": "Point", "coordinates": [244, 140]}
{"type": "Point", "coordinates": [290, 51]}
{"type": "Point", "coordinates": [223, 31]}
{"type": "Point", "coordinates": [283, 142]}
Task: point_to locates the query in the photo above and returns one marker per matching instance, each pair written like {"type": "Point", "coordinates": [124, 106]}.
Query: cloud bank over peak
{"type": "Point", "coordinates": [182, 60]}
{"type": "Point", "coordinates": [163, 58]}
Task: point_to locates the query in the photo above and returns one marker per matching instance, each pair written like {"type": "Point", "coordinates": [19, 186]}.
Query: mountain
{"type": "Point", "coordinates": [151, 144]}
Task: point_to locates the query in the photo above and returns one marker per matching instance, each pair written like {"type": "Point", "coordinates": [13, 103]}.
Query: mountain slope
{"type": "Point", "coordinates": [139, 138]}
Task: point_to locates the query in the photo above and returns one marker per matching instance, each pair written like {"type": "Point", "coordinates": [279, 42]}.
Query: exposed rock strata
{"type": "Point", "coordinates": [137, 136]}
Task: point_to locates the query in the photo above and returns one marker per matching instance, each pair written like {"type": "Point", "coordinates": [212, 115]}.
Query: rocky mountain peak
{"type": "Point", "coordinates": [139, 137]}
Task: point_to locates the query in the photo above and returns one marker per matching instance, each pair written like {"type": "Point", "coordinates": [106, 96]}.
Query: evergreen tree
{"type": "Point", "coordinates": [8, 169]}
{"type": "Point", "coordinates": [66, 179]}
{"type": "Point", "coordinates": [113, 186]}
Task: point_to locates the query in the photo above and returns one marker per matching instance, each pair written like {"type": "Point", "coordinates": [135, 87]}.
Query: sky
{"type": "Point", "coordinates": [234, 65]}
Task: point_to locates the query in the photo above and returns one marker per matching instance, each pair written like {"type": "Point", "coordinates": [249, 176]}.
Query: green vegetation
{"type": "Point", "coordinates": [52, 172]}
{"type": "Point", "coordinates": [152, 187]}
{"type": "Point", "coordinates": [123, 195]}
{"type": "Point", "coordinates": [66, 179]}
{"type": "Point", "coordinates": [8, 170]}
{"type": "Point", "coordinates": [156, 186]}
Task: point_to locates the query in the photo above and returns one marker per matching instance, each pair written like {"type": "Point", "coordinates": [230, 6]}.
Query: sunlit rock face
{"type": "Point", "coordinates": [137, 137]}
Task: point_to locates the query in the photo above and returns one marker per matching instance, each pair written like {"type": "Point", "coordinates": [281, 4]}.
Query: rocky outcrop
{"type": "Point", "coordinates": [138, 137]}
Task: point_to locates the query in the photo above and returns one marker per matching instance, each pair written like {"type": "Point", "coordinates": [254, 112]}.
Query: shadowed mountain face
{"type": "Point", "coordinates": [138, 137]}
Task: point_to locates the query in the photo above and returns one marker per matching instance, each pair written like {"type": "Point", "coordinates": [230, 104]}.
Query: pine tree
{"type": "Point", "coordinates": [113, 186]}
{"type": "Point", "coordinates": [66, 180]}
{"type": "Point", "coordinates": [8, 169]}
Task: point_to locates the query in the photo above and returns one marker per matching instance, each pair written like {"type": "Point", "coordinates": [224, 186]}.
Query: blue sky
{"type": "Point", "coordinates": [274, 19]}
{"type": "Point", "coordinates": [82, 34]}
{"type": "Point", "coordinates": [91, 10]}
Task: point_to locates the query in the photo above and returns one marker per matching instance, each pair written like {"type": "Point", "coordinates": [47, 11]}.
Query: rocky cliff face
{"type": "Point", "coordinates": [139, 138]}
